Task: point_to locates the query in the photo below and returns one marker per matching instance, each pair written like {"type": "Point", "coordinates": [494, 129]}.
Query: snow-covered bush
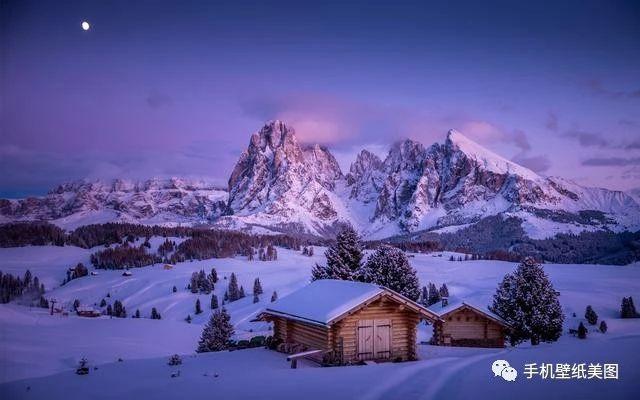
{"type": "Point", "coordinates": [175, 360]}
{"type": "Point", "coordinates": [591, 316]}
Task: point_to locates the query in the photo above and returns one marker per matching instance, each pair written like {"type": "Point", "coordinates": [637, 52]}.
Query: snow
{"type": "Point", "coordinates": [40, 351]}
{"type": "Point", "coordinates": [324, 300]}
{"type": "Point", "coordinates": [490, 160]}
{"type": "Point", "coordinates": [440, 311]}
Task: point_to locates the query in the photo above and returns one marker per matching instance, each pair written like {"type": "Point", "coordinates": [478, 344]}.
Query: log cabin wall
{"type": "Point", "coordinates": [403, 330]}
{"type": "Point", "coordinates": [467, 327]}
{"type": "Point", "coordinates": [308, 336]}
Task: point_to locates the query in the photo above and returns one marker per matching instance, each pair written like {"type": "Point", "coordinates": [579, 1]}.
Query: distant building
{"type": "Point", "coordinates": [467, 325]}
{"type": "Point", "coordinates": [127, 273]}
{"type": "Point", "coordinates": [90, 312]}
{"type": "Point", "coordinates": [348, 321]}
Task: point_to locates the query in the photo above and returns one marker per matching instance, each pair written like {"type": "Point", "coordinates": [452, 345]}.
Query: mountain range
{"type": "Point", "coordinates": [281, 185]}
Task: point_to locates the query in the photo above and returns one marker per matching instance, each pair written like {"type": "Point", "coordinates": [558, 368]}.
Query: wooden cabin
{"type": "Point", "coordinates": [89, 312]}
{"type": "Point", "coordinates": [348, 322]}
{"type": "Point", "coordinates": [467, 325]}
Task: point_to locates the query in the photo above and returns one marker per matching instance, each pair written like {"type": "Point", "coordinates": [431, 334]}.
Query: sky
{"type": "Point", "coordinates": [176, 88]}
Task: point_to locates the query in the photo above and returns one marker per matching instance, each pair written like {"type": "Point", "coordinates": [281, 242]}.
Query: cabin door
{"type": "Point", "coordinates": [374, 339]}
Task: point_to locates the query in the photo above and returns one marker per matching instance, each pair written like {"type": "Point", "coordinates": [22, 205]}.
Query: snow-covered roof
{"type": "Point", "coordinates": [442, 311]}
{"type": "Point", "coordinates": [323, 301]}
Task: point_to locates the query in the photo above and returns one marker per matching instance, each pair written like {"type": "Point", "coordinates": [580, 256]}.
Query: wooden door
{"type": "Point", "coordinates": [382, 339]}
{"type": "Point", "coordinates": [365, 339]}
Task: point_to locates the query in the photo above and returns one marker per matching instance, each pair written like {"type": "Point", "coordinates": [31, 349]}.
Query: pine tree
{"type": "Point", "coordinates": [628, 308]}
{"type": "Point", "coordinates": [175, 289]}
{"type": "Point", "coordinates": [603, 326]}
{"type": "Point", "coordinates": [217, 333]}
{"type": "Point", "coordinates": [424, 296]}
{"type": "Point", "coordinates": [193, 284]}
{"type": "Point", "coordinates": [188, 319]}
{"type": "Point", "coordinates": [198, 308]}
{"type": "Point", "coordinates": [591, 316]}
{"type": "Point", "coordinates": [76, 304]}
{"type": "Point", "coordinates": [109, 310]}
{"type": "Point", "coordinates": [344, 258]}
{"type": "Point", "coordinates": [444, 290]}
{"type": "Point", "coordinates": [103, 303]}
{"type": "Point", "coordinates": [256, 299]}
{"type": "Point", "coordinates": [118, 310]}
{"type": "Point", "coordinates": [214, 302]}
{"type": "Point", "coordinates": [213, 276]}
{"type": "Point", "coordinates": [434, 294]}
{"type": "Point", "coordinates": [137, 313]}
{"type": "Point", "coordinates": [388, 266]}
{"type": "Point", "coordinates": [241, 294]}
{"type": "Point", "coordinates": [44, 303]}
{"type": "Point", "coordinates": [155, 314]}
{"type": "Point", "coordinates": [527, 300]}
{"type": "Point", "coordinates": [257, 287]}
{"type": "Point", "coordinates": [274, 296]}
{"type": "Point", "coordinates": [582, 331]}
{"type": "Point", "coordinates": [233, 290]}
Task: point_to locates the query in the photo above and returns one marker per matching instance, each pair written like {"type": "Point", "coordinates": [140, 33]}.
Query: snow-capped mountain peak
{"type": "Point", "coordinates": [280, 185]}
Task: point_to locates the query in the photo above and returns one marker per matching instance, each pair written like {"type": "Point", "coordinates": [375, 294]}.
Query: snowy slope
{"type": "Point", "coordinates": [43, 350]}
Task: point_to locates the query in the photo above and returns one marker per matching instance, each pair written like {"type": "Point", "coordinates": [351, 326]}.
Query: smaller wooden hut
{"type": "Point", "coordinates": [466, 325]}
{"type": "Point", "coordinates": [347, 322]}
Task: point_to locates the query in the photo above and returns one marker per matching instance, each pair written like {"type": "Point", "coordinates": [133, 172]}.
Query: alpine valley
{"type": "Point", "coordinates": [280, 185]}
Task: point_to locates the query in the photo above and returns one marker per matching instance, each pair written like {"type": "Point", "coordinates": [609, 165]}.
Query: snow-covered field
{"type": "Point", "coordinates": [38, 352]}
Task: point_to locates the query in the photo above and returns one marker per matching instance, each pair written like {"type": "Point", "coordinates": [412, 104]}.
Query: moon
{"type": "Point", "coordinates": [85, 25]}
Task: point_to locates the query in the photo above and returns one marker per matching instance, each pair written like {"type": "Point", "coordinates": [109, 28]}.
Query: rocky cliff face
{"type": "Point", "coordinates": [281, 185]}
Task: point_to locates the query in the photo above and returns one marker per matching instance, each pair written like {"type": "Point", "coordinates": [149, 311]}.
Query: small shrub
{"type": "Point", "coordinates": [175, 360]}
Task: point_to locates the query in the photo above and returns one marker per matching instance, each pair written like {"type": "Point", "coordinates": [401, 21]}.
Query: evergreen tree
{"type": "Point", "coordinates": [76, 304]}
{"type": "Point", "coordinates": [388, 266]}
{"type": "Point", "coordinates": [118, 310]}
{"type": "Point", "coordinates": [257, 287]}
{"type": "Point", "coordinates": [109, 310]}
{"type": "Point", "coordinates": [242, 295]}
{"type": "Point", "coordinates": [217, 333]}
{"type": "Point", "coordinates": [582, 331]}
{"type": "Point", "coordinates": [175, 289]}
{"type": "Point", "coordinates": [444, 290]}
{"type": "Point", "coordinates": [256, 299]}
{"type": "Point", "coordinates": [137, 313]}
{"type": "Point", "coordinates": [198, 307]}
{"type": "Point", "coordinates": [628, 308]}
{"type": "Point", "coordinates": [274, 296]}
{"type": "Point", "coordinates": [527, 300]}
{"type": "Point", "coordinates": [44, 303]}
{"type": "Point", "coordinates": [193, 283]}
{"type": "Point", "coordinates": [424, 296]}
{"type": "Point", "coordinates": [214, 302]}
{"type": "Point", "coordinates": [233, 290]}
{"type": "Point", "coordinates": [155, 314]}
{"type": "Point", "coordinates": [344, 258]}
{"type": "Point", "coordinates": [603, 326]}
{"type": "Point", "coordinates": [103, 303]}
{"type": "Point", "coordinates": [213, 276]}
{"type": "Point", "coordinates": [188, 319]}
{"type": "Point", "coordinates": [434, 294]}
{"type": "Point", "coordinates": [591, 316]}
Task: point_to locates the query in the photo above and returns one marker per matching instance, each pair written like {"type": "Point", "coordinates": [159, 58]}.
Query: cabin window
{"type": "Point", "coordinates": [458, 318]}
{"type": "Point", "coordinates": [450, 319]}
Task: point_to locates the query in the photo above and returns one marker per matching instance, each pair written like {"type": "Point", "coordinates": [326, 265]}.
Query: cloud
{"type": "Point", "coordinates": [537, 164]}
{"type": "Point", "coordinates": [486, 132]}
{"type": "Point", "coordinates": [596, 87]}
{"type": "Point", "coordinates": [611, 162]}
{"type": "Point", "coordinates": [588, 139]}
{"type": "Point", "coordinates": [552, 121]}
{"type": "Point", "coordinates": [35, 172]}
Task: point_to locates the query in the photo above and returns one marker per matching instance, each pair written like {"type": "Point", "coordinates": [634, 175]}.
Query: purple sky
{"type": "Point", "coordinates": [160, 88]}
